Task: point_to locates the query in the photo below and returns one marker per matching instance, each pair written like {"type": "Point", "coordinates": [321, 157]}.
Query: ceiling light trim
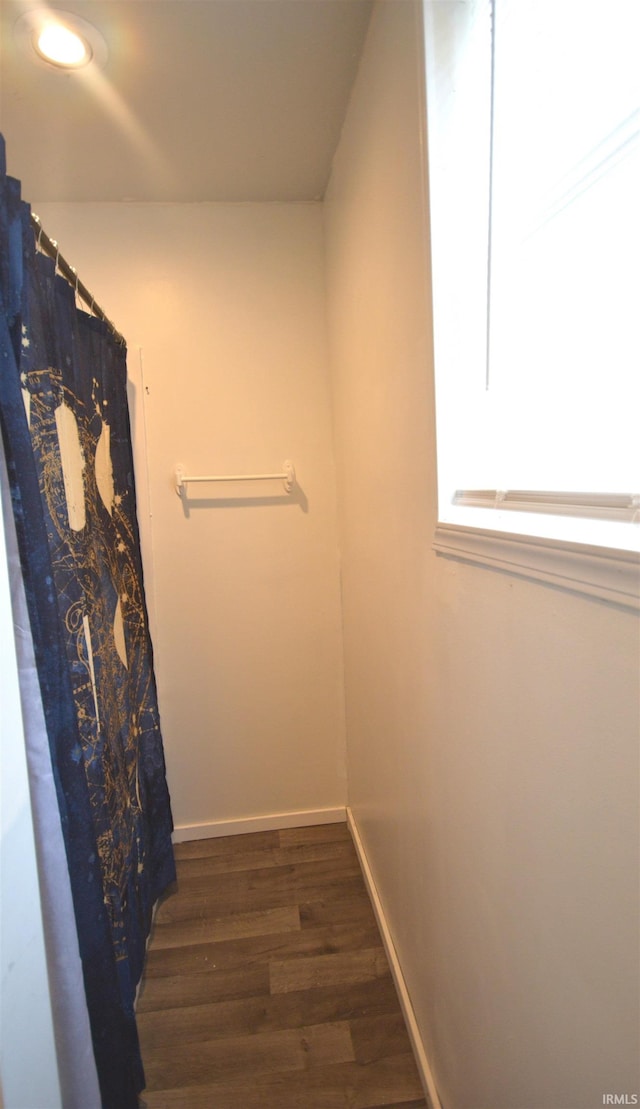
{"type": "Point", "coordinates": [30, 26]}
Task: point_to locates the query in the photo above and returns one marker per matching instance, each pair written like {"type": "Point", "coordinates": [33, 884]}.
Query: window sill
{"type": "Point", "coordinates": [602, 572]}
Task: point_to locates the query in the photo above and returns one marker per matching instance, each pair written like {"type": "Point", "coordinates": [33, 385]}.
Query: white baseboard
{"type": "Point", "coordinates": [270, 822]}
{"type": "Point", "coordinates": [422, 1062]}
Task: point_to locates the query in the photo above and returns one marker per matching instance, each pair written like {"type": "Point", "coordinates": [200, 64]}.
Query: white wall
{"type": "Point", "coordinates": [226, 302]}
{"type": "Point", "coordinates": [492, 722]}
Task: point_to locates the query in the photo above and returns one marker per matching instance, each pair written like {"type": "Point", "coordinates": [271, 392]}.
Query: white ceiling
{"type": "Point", "coordinates": [199, 100]}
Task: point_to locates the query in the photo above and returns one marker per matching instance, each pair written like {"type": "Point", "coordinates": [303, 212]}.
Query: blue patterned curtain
{"type": "Point", "coordinates": [65, 427]}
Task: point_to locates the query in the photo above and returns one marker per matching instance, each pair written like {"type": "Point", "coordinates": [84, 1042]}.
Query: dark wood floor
{"type": "Point", "coordinates": [267, 984]}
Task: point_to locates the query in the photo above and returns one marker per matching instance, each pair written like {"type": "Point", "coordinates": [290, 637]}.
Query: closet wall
{"type": "Point", "coordinates": [223, 309]}
{"type": "Point", "coordinates": [492, 722]}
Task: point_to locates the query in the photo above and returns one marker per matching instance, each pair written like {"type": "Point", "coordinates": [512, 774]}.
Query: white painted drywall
{"type": "Point", "coordinates": [226, 302]}
{"type": "Point", "coordinates": [492, 722]}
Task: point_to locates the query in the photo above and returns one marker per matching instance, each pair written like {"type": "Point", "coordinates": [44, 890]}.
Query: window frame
{"type": "Point", "coordinates": [479, 526]}
{"type": "Point", "coordinates": [606, 573]}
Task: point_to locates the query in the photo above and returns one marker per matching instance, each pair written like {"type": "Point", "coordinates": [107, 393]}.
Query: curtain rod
{"type": "Point", "coordinates": [50, 247]}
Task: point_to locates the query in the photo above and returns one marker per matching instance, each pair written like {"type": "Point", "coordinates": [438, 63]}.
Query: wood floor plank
{"type": "Point", "coordinates": [215, 929]}
{"type": "Point", "coordinates": [265, 858]}
{"type": "Point", "coordinates": [170, 991]}
{"type": "Point", "coordinates": [355, 907]}
{"type": "Point", "coordinates": [315, 833]}
{"type": "Point", "coordinates": [389, 1083]}
{"type": "Point", "coordinates": [379, 1036]}
{"type": "Point", "coordinates": [207, 958]}
{"type": "Point", "coordinates": [341, 969]}
{"type": "Point", "coordinates": [207, 1021]}
{"type": "Point", "coordinates": [294, 875]}
{"type": "Point", "coordinates": [420, 1103]}
{"type": "Point", "coordinates": [243, 894]}
{"type": "Point", "coordinates": [226, 845]}
{"type": "Point", "coordinates": [265, 1053]}
{"type": "Point", "coordinates": [197, 899]}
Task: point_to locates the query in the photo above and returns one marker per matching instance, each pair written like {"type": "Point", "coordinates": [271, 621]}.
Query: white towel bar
{"type": "Point", "coordinates": [288, 477]}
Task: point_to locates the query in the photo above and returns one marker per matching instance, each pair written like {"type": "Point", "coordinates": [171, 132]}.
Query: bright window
{"type": "Point", "coordinates": [533, 124]}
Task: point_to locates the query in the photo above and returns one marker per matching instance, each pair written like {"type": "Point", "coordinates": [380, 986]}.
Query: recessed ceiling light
{"type": "Point", "coordinates": [60, 40]}
{"type": "Point", "coordinates": [62, 46]}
